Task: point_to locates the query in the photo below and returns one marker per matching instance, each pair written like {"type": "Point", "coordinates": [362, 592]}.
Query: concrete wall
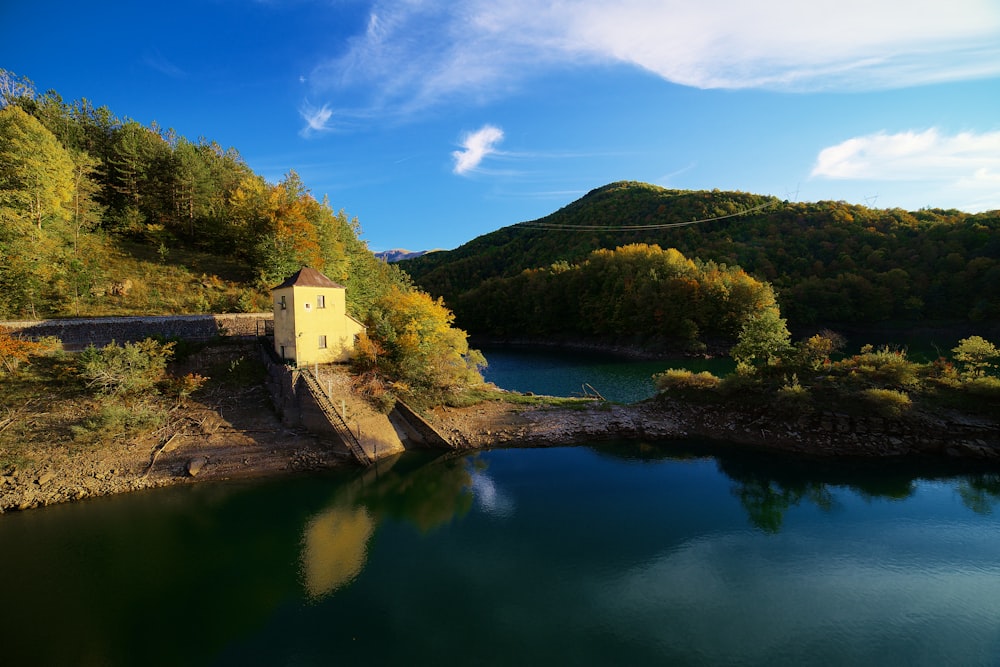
{"type": "Point", "coordinates": [78, 333]}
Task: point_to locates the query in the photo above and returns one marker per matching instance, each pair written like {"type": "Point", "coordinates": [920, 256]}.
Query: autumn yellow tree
{"type": "Point", "coordinates": [36, 172]}
{"type": "Point", "coordinates": [413, 342]}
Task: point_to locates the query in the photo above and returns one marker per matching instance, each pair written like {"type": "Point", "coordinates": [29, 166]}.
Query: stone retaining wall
{"type": "Point", "coordinates": [78, 333]}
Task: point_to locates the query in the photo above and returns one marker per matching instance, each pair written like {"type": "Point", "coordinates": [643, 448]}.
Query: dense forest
{"type": "Point", "coordinates": [829, 262]}
{"type": "Point", "coordinates": [100, 215]}
{"type": "Point", "coordinates": [639, 293]}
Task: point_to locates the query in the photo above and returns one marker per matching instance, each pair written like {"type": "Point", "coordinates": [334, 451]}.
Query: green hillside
{"type": "Point", "coordinates": [827, 261]}
{"type": "Point", "coordinates": [100, 215]}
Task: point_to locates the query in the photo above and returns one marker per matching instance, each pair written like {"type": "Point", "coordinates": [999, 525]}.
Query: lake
{"type": "Point", "coordinates": [632, 553]}
{"type": "Point", "coordinates": [628, 553]}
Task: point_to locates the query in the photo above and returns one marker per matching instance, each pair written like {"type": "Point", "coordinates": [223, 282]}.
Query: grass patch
{"type": "Point", "coordinates": [475, 396]}
{"type": "Point", "coordinates": [110, 421]}
{"type": "Point", "coordinates": [192, 282]}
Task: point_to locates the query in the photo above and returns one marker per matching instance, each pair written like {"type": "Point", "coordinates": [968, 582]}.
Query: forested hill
{"type": "Point", "coordinates": [100, 215]}
{"type": "Point", "coordinates": [829, 261]}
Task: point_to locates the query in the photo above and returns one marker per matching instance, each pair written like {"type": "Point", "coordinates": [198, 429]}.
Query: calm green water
{"type": "Point", "coordinates": [556, 372]}
{"type": "Point", "coordinates": [628, 554]}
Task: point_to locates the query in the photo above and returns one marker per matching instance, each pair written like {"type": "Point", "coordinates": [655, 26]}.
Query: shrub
{"type": "Point", "coordinates": [113, 419]}
{"type": "Point", "coordinates": [681, 379]}
{"type": "Point", "coordinates": [884, 367]}
{"type": "Point", "coordinates": [814, 353]}
{"type": "Point", "coordinates": [182, 387]}
{"type": "Point", "coordinates": [15, 351]}
{"type": "Point", "coordinates": [792, 391]}
{"type": "Point", "coordinates": [976, 355]}
{"type": "Point", "coordinates": [887, 402]}
{"type": "Point", "coordinates": [132, 368]}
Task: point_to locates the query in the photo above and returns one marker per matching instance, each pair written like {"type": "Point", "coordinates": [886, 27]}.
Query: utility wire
{"type": "Point", "coordinates": [626, 228]}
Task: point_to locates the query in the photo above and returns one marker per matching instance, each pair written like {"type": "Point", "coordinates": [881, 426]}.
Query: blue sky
{"type": "Point", "coordinates": [435, 121]}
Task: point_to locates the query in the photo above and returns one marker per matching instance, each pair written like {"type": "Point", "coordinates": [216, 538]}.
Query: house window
{"type": "Point", "coordinates": [283, 304]}
{"type": "Point", "coordinates": [320, 301]}
{"type": "Point", "coordinates": [322, 342]}
{"type": "Point", "coordinates": [307, 306]}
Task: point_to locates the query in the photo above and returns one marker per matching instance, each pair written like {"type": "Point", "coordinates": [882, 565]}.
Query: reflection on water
{"type": "Point", "coordinates": [335, 540]}
{"type": "Point", "coordinates": [980, 492]}
{"type": "Point", "coordinates": [334, 548]}
{"type": "Point", "coordinates": [624, 553]}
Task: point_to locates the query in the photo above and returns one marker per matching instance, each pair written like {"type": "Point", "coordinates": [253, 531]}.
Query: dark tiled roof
{"type": "Point", "coordinates": [308, 277]}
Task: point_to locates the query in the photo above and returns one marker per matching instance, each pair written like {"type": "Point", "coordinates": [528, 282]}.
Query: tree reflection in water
{"type": "Point", "coordinates": [428, 495]}
{"type": "Point", "coordinates": [980, 492]}
{"type": "Point", "coordinates": [767, 485]}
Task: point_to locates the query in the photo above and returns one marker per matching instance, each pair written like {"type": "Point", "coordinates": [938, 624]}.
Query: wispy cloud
{"type": "Point", "coordinates": [317, 119]}
{"type": "Point", "coordinates": [154, 59]}
{"type": "Point", "coordinates": [414, 55]}
{"type": "Point", "coordinates": [967, 162]}
{"type": "Point", "coordinates": [476, 146]}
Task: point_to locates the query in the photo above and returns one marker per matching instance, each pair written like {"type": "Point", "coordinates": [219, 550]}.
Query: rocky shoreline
{"type": "Point", "coordinates": [245, 438]}
{"type": "Point", "coordinates": [817, 435]}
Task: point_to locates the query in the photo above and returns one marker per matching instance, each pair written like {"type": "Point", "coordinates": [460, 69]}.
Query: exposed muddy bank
{"type": "Point", "coordinates": [229, 442]}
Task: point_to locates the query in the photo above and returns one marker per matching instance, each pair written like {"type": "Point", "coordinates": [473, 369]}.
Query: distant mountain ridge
{"type": "Point", "coordinates": [399, 254]}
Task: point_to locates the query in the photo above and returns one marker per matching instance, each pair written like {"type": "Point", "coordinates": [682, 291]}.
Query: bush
{"type": "Point", "coordinates": [15, 351]}
{"type": "Point", "coordinates": [976, 355]}
{"type": "Point", "coordinates": [884, 367]}
{"type": "Point", "coordinates": [132, 368]}
{"type": "Point", "coordinates": [792, 394]}
{"type": "Point", "coordinates": [182, 387]}
{"type": "Point", "coordinates": [113, 420]}
{"type": "Point", "coordinates": [681, 379]}
{"type": "Point", "coordinates": [887, 402]}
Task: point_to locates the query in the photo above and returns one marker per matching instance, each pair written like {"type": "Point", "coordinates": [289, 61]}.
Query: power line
{"type": "Point", "coordinates": [555, 226]}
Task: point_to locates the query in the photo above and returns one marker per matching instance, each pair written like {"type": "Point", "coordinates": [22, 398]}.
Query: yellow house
{"type": "Point", "coordinates": [311, 324]}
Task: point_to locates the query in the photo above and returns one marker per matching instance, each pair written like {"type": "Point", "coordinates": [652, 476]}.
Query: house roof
{"type": "Point", "coordinates": [308, 277]}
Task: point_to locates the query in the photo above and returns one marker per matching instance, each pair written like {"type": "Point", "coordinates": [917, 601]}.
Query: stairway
{"type": "Point", "coordinates": [335, 419]}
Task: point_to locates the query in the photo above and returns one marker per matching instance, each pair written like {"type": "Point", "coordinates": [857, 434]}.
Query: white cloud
{"type": "Point", "coordinates": [476, 146]}
{"type": "Point", "coordinates": [967, 163]}
{"type": "Point", "coordinates": [317, 119]}
{"type": "Point", "coordinates": [418, 54]}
